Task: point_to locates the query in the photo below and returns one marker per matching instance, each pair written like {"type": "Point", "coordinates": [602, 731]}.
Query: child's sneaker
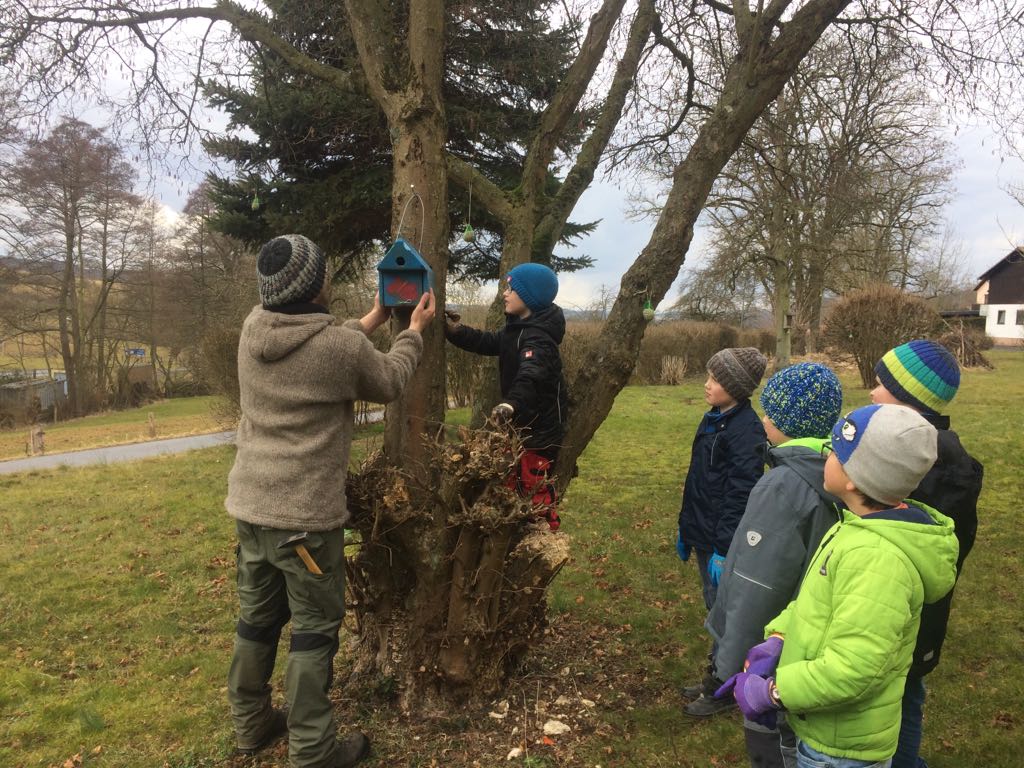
{"type": "Point", "coordinates": [708, 706]}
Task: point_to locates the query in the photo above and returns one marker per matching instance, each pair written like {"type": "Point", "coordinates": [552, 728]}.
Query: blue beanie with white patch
{"type": "Point", "coordinates": [536, 285]}
{"type": "Point", "coordinates": [886, 450]}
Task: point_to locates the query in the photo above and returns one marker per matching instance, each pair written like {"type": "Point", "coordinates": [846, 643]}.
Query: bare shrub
{"type": "Point", "coordinates": [216, 367]}
{"type": "Point", "coordinates": [673, 369]}
{"type": "Point", "coordinates": [865, 324]}
{"type": "Point", "coordinates": [761, 338]}
{"type": "Point", "coordinates": [694, 342]}
{"type": "Point", "coordinates": [576, 346]}
{"type": "Point", "coordinates": [465, 370]}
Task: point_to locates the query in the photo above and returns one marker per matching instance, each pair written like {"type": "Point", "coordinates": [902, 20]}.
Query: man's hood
{"type": "Point", "coordinates": [270, 336]}
{"type": "Point", "coordinates": [551, 320]}
{"type": "Point", "coordinates": [931, 548]}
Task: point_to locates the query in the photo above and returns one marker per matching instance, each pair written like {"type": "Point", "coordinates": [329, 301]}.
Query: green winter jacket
{"type": "Point", "coordinates": [850, 632]}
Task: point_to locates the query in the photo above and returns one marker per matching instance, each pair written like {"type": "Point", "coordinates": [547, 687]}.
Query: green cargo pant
{"type": "Point", "coordinates": [275, 585]}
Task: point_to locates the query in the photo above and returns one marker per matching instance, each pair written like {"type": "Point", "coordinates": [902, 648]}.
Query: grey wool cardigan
{"type": "Point", "coordinates": [299, 377]}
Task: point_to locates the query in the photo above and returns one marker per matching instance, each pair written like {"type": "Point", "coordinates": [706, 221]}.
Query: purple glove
{"type": "Point", "coordinates": [752, 692]}
{"type": "Point", "coordinates": [763, 658]}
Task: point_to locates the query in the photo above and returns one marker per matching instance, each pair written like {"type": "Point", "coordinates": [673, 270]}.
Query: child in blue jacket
{"type": "Point", "coordinates": [727, 459]}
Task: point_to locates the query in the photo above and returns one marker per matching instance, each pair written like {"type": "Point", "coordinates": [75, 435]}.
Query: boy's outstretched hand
{"type": "Point", "coordinates": [452, 320]}
{"type": "Point", "coordinates": [423, 313]}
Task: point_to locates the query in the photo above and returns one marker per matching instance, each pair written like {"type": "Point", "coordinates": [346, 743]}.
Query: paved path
{"type": "Point", "coordinates": [117, 453]}
{"type": "Point", "coordinates": [132, 452]}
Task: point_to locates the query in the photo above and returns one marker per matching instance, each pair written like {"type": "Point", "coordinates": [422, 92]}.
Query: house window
{"type": "Point", "coordinates": [1001, 317]}
{"type": "Point", "coordinates": [1020, 317]}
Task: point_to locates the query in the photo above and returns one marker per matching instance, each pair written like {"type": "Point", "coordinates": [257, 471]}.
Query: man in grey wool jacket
{"type": "Point", "coordinates": [299, 375]}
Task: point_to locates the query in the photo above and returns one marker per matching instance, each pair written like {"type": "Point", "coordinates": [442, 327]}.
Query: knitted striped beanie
{"type": "Point", "coordinates": [920, 373]}
{"type": "Point", "coordinates": [291, 269]}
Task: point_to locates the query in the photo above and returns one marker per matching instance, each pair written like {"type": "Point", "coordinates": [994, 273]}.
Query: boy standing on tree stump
{"type": "Point", "coordinates": [533, 393]}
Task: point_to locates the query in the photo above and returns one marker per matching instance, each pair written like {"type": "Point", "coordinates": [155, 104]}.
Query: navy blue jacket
{"type": "Point", "coordinates": [951, 486]}
{"type": "Point", "coordinates": [529, 371]}
{"type": "Point", "coordinates": [727, 460]}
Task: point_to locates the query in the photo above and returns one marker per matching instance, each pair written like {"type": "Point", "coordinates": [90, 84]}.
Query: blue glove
{"type": "Point", "coordinates": [763, 658]}
{"type": "Point", "coordinates": [715, 565]}
{"type": "Point", "coordinates": [682, 549]}
{"type": "Point", "coordinates": [752, 693]}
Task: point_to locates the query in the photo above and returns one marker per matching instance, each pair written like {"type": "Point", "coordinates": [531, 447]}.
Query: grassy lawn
{"type": "Point", "coordinates": [173, 418]}
{"type": "Point", "coordinates": [117, 613]}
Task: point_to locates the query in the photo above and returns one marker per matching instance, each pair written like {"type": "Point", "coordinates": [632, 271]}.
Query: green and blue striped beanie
{"type": "Point", "coordinates": [920, 373]}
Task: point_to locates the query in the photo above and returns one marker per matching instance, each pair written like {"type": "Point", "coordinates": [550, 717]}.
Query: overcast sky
{"type": "Point", "coordinates": [982, 215]}
{"type": "Point", "coordinates": [986, 220]}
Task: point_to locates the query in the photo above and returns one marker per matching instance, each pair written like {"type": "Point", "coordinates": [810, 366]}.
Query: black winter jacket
{"type": "Point", "coordinates": [727, 460]}
{"type": "Point", "coordinates": [530, 372]}
{"type": "Point", "coordinates": [952, 486]}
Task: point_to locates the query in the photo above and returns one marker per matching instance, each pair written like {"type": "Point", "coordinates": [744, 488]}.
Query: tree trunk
{"type": "Point", "coordinates": [421, 193]}
{"type": "Point", "coordinates": [756, 76]}
{"type": "Point", "coordinates": [448, 588]}
{"type": "Point", "coordinates": [781, 311]}
{"type": "Point", "coordinates": [815, 297]}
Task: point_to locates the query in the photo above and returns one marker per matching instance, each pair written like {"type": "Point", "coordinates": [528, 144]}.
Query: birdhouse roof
{"type": "Point", "coordinates": [402, 255]}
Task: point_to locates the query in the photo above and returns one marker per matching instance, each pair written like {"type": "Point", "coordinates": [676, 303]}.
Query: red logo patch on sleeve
{"type": "Point", "coordinates": [527, 354]}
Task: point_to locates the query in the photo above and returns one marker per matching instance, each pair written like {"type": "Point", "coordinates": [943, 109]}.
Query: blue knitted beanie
{"type": "Point", "coordinates": [536, 285]}
{"type": "Point", "coordinates": [803, 400]}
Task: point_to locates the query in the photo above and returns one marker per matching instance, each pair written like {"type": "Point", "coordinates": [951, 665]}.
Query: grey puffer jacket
{"type": "Point", "coordinates": [787, 514]}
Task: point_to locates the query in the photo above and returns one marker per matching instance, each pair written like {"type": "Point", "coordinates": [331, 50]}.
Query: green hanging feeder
{"type": "Point", "coordinates": [648, 310]}
{"type": "Point", "coordinates": [256, 201]}
{"type": "Point", "coordinates": [468, 234]}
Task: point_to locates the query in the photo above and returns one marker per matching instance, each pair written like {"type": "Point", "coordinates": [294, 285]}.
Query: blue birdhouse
{"type": "Point", "coordinates": [404, 275]}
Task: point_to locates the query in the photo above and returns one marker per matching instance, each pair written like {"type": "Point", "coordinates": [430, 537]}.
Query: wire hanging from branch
{"type": "Point", "coordinates": [423, 215]}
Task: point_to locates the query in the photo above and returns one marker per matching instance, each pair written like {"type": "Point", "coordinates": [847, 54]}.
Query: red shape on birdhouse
{"type": "Point", "coordinates": [403, 290]}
